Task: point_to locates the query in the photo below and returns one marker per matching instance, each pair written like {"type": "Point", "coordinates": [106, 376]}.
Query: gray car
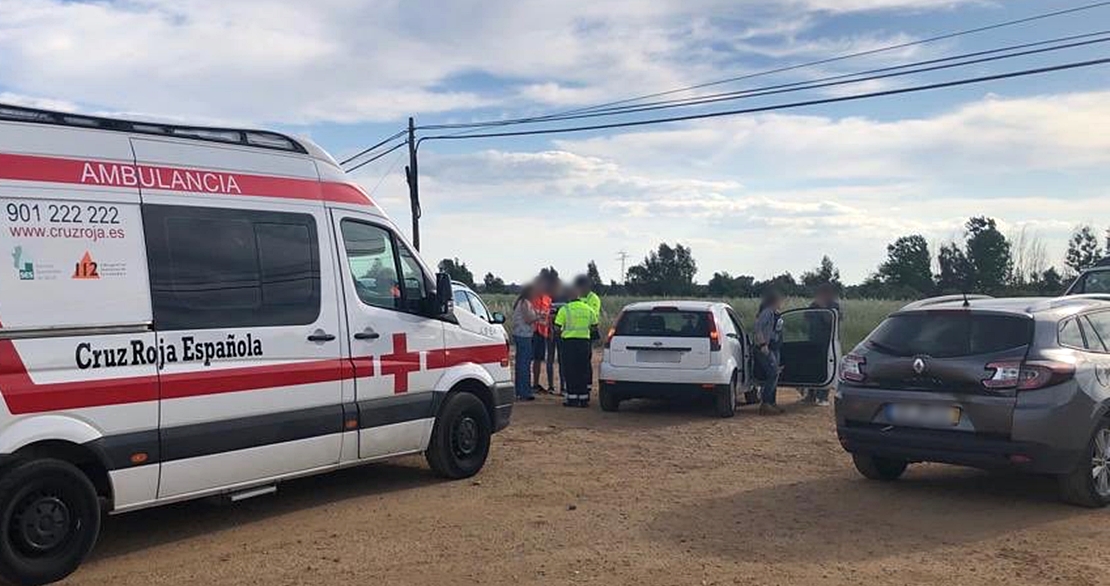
{"type": "Point", "coordinates": [990, 383]}
{"type": "Point", "coordinates": [1093, 280]}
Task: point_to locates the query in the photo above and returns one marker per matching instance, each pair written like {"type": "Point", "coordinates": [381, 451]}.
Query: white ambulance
{"type": "Point", "coordinates": [189, 312]}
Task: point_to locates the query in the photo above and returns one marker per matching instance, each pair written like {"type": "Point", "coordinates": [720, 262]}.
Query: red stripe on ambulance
{"type": "Point", "coordinates": [22, 395]}
{"type": "Point", "coordinates": [181, 179]}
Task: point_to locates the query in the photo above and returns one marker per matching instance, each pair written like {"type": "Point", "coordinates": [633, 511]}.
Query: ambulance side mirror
{"type": "Point", "coordinates": [444, 302]}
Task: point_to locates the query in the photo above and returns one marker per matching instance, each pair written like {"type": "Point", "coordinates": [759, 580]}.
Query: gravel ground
{"type": "Point", "coordinates": [655, 494]}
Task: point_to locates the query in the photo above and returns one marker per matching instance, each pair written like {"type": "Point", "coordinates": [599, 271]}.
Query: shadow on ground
{"type": "Point", "coordinates": [851, 519]}
{"type": "Point", "coordinates": [133, 532]}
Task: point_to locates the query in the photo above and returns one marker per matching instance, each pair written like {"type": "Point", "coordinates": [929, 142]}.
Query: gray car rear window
{"type": "Point", "coordinates": [947, 334]}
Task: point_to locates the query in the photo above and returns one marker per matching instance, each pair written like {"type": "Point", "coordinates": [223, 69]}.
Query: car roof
{"type": "Point", "coordinates": [680, 304]}
{"type": "Point", "coordinates": [1066, 305]}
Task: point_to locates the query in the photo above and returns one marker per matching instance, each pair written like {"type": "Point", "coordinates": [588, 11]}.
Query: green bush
{"type": "Point", "coordinates": [860, 316]}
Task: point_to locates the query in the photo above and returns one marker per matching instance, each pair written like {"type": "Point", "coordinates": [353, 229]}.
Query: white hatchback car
{"type": "Point", "coordinates": [684, 350]}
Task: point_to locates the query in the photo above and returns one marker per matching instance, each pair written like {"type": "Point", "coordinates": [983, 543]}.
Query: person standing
{"type": "Point", "coordinates": [768, 340]}
{"type": "Point", "coordinates": [821, 327]}
{"type": "Point", "coordinates": [560, 296]}
{"type": "Point", "coordinates": [592, 299]}
{"type": "Point", "coordinates": [541, 335]}
{"type": "Point", "coordinates": [573, 324]}
{"type": "Point", "coordinates": [524, 320]}
{"type": "Point", "coordinates": [583, 283]}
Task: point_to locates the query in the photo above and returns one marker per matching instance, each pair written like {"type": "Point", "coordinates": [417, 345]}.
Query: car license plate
{"type": "Point", "coordinates": [658, 357]}
{"type": "Point", "coordinates": [915, 415]}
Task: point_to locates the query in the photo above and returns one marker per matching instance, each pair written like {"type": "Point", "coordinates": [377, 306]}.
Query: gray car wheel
{"type": "Point", "coordinates": [1089, 484]}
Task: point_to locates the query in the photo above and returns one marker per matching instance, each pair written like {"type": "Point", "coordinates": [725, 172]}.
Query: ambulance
{"type": "Point", "coordinates": [189, 312]}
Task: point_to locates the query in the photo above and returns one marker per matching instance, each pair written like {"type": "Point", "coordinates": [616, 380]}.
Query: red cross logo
{"type": "Point", "coordinates": [400, 363]}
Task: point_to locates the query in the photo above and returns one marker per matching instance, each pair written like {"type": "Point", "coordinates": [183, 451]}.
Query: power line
{"type": "Point", "coordinates": [392, 166]}
{"type": "Point", "coordinates": [788, 105]}
{"type": "Point", "coordinates": [698, 99]}
{"type": "Point", "coordinates": [377, 156]}
{"type": "Point", "coordinates": [941, 37]}
{"type": "Point", "coordinates": [835, 80]}
{"type": "Point", "coordinates": [371, 148]}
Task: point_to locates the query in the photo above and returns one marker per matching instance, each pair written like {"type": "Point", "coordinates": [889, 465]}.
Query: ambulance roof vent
{"type": "Point", "coordinates": [254, 138]}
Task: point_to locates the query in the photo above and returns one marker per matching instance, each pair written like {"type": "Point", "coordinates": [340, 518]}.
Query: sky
{"type": "Point", "coordinates": [756, 194]}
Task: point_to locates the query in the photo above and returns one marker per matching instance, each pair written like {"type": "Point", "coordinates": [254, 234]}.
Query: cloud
{"type": "Point", "coordinates": [15, 99]}
{"type": "Point", "coordinates": [989, 137]}
{"type": "Point", "coordinates": [347, 61]}
{"type": "Point", "coordinates": [772, 193]}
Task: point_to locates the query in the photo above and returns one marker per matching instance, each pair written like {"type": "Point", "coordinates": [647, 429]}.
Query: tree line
{"type": "Point", "coordinates": [984, 261]}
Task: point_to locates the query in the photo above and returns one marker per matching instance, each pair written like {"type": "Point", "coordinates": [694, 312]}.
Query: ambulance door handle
{"type": "Point", "coordinates": [320, 336]}
{"type": "Point", "coordinates": [367, 334]}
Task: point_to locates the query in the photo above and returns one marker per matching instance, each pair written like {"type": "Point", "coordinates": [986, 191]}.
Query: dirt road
{"type": "Point", "coordinates": [651, 495]}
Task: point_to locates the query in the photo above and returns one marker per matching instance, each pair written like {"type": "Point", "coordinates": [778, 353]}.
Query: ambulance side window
{"type": "Point", "coordinates": [223, 268]}
{"type": "Point", "coordinates": [371, 258]}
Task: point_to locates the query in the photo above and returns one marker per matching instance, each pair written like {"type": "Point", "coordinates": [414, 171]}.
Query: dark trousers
{"type": "Point", "coordinates": [770, 364]}
{"type": "Point", "coordinates": [554, 356]}
{"type": "Point", "coordinates": [577, 370]}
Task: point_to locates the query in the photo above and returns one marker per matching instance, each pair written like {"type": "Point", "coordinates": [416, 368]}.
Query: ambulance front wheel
{"type": "Point", "coordinates": [461, 437]}
{"type": "Point", "coordinates": [51, 517]}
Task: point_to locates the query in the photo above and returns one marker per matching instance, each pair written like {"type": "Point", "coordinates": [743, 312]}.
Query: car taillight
{"type": "Point", "coordinates": [851, 368]}
{"type": "Point", "coordinates": [1026, 376]}
{"type": "Point", "coordinates": [613, 330]}
{"type": "Point", "coordinates": [714, 335]}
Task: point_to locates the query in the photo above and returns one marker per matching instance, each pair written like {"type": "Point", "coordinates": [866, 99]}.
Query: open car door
{"type": "Point", "coordinates": [809, 348]}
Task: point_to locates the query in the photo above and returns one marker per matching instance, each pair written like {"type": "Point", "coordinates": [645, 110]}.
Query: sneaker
{"type": "Point", "coordinates": [823, 403]}
{"type": "Point", "coordinates": [769, 409]}
{"type": "Point", "coordinates": [528, 398]}
{"type": "Point", "coordinates": [539, 389]}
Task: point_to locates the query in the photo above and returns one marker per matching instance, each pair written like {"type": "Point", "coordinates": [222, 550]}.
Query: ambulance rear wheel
{"type": "Point", "coordinates": [461, 437]}
{"type": "Point", "coordinates": [50, 518]}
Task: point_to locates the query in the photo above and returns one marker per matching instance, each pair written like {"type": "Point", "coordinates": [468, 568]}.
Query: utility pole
{"type": "Point", "coordinates": [412, 175]}
{"type": "Point", "coordinates": [623, 256]}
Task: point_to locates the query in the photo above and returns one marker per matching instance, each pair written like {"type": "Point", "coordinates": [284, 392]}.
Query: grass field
{"type": "Point", "coordinates": [860, 316]}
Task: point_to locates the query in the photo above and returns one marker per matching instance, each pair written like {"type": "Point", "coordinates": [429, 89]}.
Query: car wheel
{"type": "Point", "coordinates": [51, 517]}
{"type": "Point", "coordinates": [1089, 484]}
{"type": "Point", "coordinates": [876, 468]}
{"type": "Point", "coordinates": [461, 437]}
{"type": "Point", "coordinates": [726, 398]}
{"type": "Point", "coordinates": [610, 400]}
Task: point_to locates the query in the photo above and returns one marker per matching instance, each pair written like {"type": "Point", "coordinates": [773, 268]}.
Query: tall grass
{"type": "Point", "coordinates": [859, 316]}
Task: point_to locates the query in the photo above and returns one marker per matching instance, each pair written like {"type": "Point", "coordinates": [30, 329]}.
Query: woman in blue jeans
{"type": "Point", "coordinates": [768, 340]}
{"type": "Point", "coordinates": [524, 318]}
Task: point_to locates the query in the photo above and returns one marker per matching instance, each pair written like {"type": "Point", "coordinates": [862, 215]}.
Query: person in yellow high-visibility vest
{"type": "Point", "coordinates": [592, 299]}
{"type": "Point", "coordinates": [586, 288]}
{"type": "Point", "coordinates": [573, 325]}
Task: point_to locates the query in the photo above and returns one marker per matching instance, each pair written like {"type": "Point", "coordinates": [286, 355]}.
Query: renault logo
{"type": "Point", "coordinates": [918, 365]}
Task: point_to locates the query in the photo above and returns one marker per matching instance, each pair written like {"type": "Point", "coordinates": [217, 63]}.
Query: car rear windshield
{"type": "Point", "coordinates": [949, 334]}
{"type": "Point", "coordinates": [664, 323]}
